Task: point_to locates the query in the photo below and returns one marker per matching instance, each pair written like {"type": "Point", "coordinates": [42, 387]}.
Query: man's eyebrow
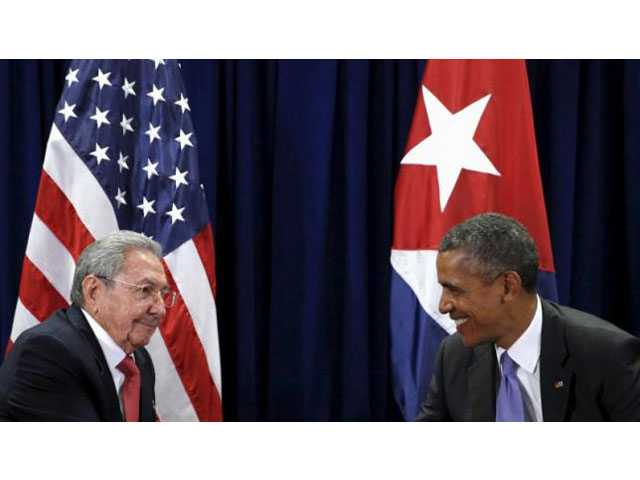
{"type": "Point", "coordinates": [451, 286]}
{"type": "Point", "coordinates": [150, 282]}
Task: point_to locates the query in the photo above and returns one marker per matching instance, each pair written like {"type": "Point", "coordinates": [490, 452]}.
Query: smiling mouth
{"type": "Point", "coordinates": [149, 323]}
{"type": "Point", "coordinates": [460, 321]}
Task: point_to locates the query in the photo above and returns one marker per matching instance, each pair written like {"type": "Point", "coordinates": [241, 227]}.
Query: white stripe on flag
{"type": "Point", "coordinates": [418, 269]}
{"type": "Point", "coordinates": [22, 320]}
{"type": "Point", "coordinates": [191, 278]}
{"type": "Point", "coordinates": [172, 402]}
{"type": "Point", "coordinates": [80, 186]}
{"type": "Point", "coordinates": [51, 257]}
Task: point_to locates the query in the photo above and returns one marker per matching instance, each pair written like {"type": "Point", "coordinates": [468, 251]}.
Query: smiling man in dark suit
{"type": "Point", "coordinates": [88, 362]}
{"type": "Point", "coordinates": [516, 357]}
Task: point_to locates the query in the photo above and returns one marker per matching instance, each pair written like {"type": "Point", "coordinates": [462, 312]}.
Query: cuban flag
{"type": "Point", "coordinates": [471, 149]}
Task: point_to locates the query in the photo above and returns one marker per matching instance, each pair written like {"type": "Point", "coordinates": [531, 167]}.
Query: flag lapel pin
{"type": "Point", "coordinates": [559, 384]}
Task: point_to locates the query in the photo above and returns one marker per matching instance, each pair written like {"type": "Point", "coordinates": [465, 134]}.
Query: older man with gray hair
{"type": "Point", "coordinates": [515, 356]}
{"type": "Point", "coordinates": [88, 362]}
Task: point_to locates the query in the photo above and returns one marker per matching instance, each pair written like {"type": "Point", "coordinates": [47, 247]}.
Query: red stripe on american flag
{"type": "Point", "coordinates": [189, 358]}
{"type": "Point", "coordinates": [37, 294]}
{"type": "Point", "coordinates": [59, 214]}
{"type": "Point", "coordinates": [204, 244]}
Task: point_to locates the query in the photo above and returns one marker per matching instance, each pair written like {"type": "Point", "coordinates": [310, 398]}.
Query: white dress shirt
{"type": "Point", "coordinates": [526, 353]}
{"type": "Point", "coordinates": [113, 354]}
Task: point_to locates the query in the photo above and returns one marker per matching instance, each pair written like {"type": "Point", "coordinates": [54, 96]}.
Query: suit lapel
{"type": "Point", "coordinates": [555, 379]}
{"type": "Point", "coordinates": [109, 399]}
{"type": "Point", "coordinates": [147, 413]}
{"type": "Point", "coordinates": [481, 381]}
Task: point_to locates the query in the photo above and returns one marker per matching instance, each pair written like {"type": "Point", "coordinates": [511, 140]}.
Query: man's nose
{"type": "Point", "coordinates": [157, 307]}
{"type": "Point", "coordinates": [446, 304]}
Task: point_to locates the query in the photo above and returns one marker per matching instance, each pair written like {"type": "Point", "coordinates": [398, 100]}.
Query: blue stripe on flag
{"type": "Point", "coordinates": [415, 341]}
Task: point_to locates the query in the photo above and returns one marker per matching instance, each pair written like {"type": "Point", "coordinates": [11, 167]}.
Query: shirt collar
{"type": "Point", "coordinates": [526, 349]}
{"type": "Point", "coordinates": [113, 354]}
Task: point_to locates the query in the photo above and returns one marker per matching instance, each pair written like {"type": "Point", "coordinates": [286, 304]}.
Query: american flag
{"type": "Point", "coordinates": [122, 154]}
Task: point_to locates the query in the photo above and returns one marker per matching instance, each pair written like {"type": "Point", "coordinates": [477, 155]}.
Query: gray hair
{"type": "Point", "coordinates": [105, 258]}
{"type": "Point", "coordinates": [495, 243]}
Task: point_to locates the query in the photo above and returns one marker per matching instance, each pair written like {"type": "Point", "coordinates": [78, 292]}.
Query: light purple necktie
{"type": "Point", "coordinates": [509, 406]}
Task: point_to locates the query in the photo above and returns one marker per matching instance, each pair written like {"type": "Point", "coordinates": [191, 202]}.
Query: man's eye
{"type": "Point", "coordinates": [147, 290]}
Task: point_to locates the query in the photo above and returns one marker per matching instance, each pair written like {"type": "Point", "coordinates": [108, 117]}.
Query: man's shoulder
{"type": "Point", "coordinates": [587, 338]}
{"type": "Point", "coordinates": [66, 330]}
{"type": "Point", "coordinates": [45, 346]}
{"type": "Point", "coordinates": [58, 325]}
{"type": "Point", "coordinates": [581, 324]}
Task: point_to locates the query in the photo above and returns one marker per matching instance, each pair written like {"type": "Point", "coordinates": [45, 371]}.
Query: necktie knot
{"type": "Point", "coordinates": [128, 367]}
{"type": "Point", "coordinates": [508, 364]}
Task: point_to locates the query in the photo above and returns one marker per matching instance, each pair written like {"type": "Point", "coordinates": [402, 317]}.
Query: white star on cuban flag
{"type": "Point", "coordinates": [451, 147]}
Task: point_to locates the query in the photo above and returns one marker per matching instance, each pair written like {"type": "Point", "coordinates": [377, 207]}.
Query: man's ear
{"type": "Point", "coordinates": [92, 286]}
{"type": "Point", "coordinates": [511, 285]}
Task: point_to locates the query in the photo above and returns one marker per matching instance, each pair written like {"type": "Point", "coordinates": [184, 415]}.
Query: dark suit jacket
{"type": "Point", "coordinates": [589, 371]}
{"type": "Point", "coordinates": [56, 371]}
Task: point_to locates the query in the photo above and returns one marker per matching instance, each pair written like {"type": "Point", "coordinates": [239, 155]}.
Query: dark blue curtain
{"type": "Point", "coordinates": [587, 120]}
{"type": "Point", "coordinates": [29, 93]}
{"type": "Point", "coordinates": [298, 159]}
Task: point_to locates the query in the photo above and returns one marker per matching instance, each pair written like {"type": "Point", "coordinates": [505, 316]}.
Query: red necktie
{"type": "Point", "coordinates": [130, 388]}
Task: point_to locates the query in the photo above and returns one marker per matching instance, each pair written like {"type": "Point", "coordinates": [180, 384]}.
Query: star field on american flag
{"type": "Point", "coordinates": [130, 122]}
{"type": "Point", "coordinates": [122, 154]}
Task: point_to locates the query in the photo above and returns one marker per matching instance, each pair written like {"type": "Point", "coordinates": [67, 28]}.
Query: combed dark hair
{"type": "Point", "coordinates": [105, 258]}
{"type": "Point", "coordinates": [495, 243]}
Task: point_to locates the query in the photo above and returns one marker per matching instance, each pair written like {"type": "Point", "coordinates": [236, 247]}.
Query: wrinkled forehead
{"type": "Point", "coordinates": [143, 266]}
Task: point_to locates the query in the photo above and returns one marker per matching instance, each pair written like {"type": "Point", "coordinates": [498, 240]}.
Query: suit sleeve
{"type": "Point", "coordinates": [48, 384]}
{"type": "Point", "coordinates": [621, 388]}
{"type": "Point", "coordinates": [434, 409]}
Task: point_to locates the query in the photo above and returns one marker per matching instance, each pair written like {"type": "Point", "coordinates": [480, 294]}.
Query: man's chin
{"type": "Point", "coordinates": [141, 335]}
{"type": "Point", "coordinates": [468, 340]}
